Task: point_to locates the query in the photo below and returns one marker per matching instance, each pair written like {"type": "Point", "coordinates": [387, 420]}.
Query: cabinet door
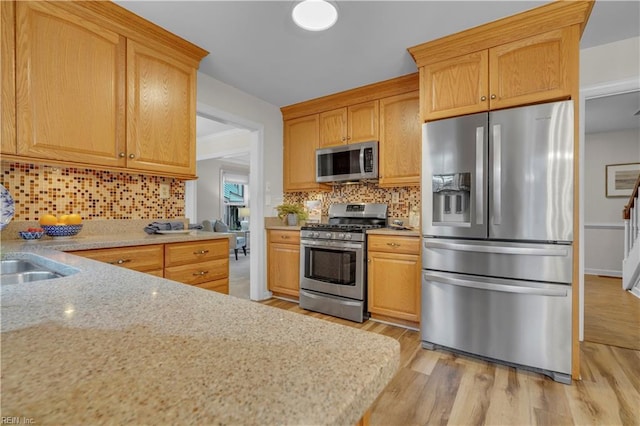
{"type": "Point", "coordinates": [161, 102]}
{"type": "Point", "coordinates": [400, 140]}
{"type": "Point", "coordinates": [362, 122]}
{"type": "Point", "coordinates": [300, 144]}
{"type": "Point", "coordinates": [69, 87]}
{"type": "Point", "coordinates": [333, 127]}
{"type": "Point", "coordinates": [284, 268]}
{"type": "Point", "coordinates": [456, 86]}
{"type": "Point", "coordinates": [394, 285]}
{"type": "Point", "coordinates": [534, 69]}
{"type": "Point", "coordinates": [7, 78]}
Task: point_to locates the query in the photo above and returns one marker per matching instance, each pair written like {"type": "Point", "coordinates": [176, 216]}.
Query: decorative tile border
{"type": "Point", "coordinates": [408, 197]}
{"type": "Point", "coordinates": [94, 194]}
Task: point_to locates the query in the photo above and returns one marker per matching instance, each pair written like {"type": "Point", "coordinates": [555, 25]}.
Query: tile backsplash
{"type": "Point", "coordinates": [407, 197]}
{"type": "Point", "coordinates": [94, 194]}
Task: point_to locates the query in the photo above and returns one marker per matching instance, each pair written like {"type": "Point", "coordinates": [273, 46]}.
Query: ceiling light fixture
{"type": "Point", "coordinates": [314, 15]}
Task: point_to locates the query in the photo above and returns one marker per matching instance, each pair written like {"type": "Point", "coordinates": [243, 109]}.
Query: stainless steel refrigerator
{"type": "Point", "coordinates": [497, 231]}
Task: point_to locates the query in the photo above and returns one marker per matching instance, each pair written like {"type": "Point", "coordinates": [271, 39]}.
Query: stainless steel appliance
{"type": "Point", "coordinates": [353, 162]}
{"type": "Point", "coordinates": [498, 227]}
{"type": "Point", "coordinates": [333, 256]}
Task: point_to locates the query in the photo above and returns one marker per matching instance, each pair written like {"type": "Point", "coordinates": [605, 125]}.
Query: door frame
{"type": "Point", "coordinates": [609, 88]}
{"type": "Point", "coordinates": [257, 261]}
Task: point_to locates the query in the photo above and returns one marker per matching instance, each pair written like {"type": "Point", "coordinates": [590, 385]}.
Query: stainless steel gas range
{"type": "Point", "coordinates": [333, 260]}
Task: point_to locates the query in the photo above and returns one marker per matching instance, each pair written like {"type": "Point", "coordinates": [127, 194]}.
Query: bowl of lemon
{"type": "Point", "coordinates": [66, 225]}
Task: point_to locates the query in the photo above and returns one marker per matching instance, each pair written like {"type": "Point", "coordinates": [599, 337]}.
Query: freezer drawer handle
{"type": "Point", "coordinates": [532, 251]}
{"type": "Point", "coordinates": [496, 287]}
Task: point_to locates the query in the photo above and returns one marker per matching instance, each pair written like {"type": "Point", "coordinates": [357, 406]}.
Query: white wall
{"type": "Point", "coordinates": [223, 97]}
{"type": "Point", "coordinates": [603, 216]}
{"type": "Point", "coordinates": [615, 61]}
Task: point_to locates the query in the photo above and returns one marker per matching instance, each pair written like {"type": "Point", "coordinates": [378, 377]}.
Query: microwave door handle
{"type": "Point", "coordinates": [497, 174]}
{"type": "Point", "coordinates": [479, 175]}
{"type": "Point", "coordinates": [361, 158]}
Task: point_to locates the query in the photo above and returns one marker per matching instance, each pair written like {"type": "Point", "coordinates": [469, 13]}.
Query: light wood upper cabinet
{"type": "Point", "coordinates": [161, 110]}
{"type": "Point", "coordinates": [283, 262]}
{"type": "Point", "coordinates": [534, 69]}
{"type": "Point", "coordinates": [531, 70]}
{"type": "Point", "coordinates": [400, 140]}
{"type": "Point", "coordinates": [456, 86]}
{"type": "Point", "coordinates": [394, 277]}
{"type": "Point", "coordinates": [96, 86]}
{"type": "Point", "coordinates": [300, 144]}
{"type": "Point", "coordinates": [352, 124]}
{"type": "Point", "coordinates": [69, 101]}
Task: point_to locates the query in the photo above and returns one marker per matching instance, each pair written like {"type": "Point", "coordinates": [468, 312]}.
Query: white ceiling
{"type": "Point", "coordinates": [255, 47]}
{"type": "Point", "coordinates": [611, 113]}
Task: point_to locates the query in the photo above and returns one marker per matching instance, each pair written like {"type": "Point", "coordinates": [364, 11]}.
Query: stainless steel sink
{"type": "Point", "coordinates": [16, 271]}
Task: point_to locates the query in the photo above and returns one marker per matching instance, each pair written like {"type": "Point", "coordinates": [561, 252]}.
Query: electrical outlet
{"type": "Point", "coordinates": [395, 198]}
{"type": "Point", "coordinates": [165, 190]}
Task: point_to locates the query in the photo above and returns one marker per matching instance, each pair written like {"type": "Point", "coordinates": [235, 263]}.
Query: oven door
{"type": "Point", "coordinates": [333, 267]}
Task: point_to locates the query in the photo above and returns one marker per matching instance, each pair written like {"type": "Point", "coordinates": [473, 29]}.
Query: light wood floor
{"type": "Point", "coordinates": [611, 314]}
{"type": "Point", "coordinates": [438, 387]}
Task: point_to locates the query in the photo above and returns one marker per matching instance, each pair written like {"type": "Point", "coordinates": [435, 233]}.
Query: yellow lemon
{"type": "Point", "coordinates": [48, 219]}
{"type": "Point", "coordinates": [74, 219]}
{"type": "Point", "coordinates": [62, 220]}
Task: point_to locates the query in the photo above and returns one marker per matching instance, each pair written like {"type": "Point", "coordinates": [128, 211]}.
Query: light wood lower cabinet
{"type": "Point", "coordinates": [394, 278]}
{"type": "Point", "coordinates": [201, 263]}
{"type": "Point", "coordinates": [204, 264]}
{"type": "Point", "coordinates": [283, 260]}
{"type": "Point", "coordinates": [149, 259]}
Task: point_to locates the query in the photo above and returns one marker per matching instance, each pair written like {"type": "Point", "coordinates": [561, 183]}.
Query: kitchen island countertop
{"type": "Point", "coordinates": [111, 345]}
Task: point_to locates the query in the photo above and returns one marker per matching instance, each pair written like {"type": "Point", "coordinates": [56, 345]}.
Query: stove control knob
{"type": "Point", "coordinates": [347, 237]}
{"type": "Point", "coordinates": [315, 234]}
{"type": "Point", "coordinates": [327, 235]}
{"type": "Point", "coordinates": [341, 236]}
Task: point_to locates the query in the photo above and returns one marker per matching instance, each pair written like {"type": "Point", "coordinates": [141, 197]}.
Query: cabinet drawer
{"type": "Point", "coordinates": [199, 273]}
{"type": "Point", "coordinates": [284, 237]}
{"type": "Point", "coordinates": [394, 244]}
{"type": "Point", "coordinates": [195, 252]}
{"type": "Point", "coordinates": [221, 286]}
{"type": "Point", "coordinates": [139, 258]}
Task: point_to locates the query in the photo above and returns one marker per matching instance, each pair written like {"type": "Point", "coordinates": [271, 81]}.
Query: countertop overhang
{"type": "Point", "coordinates": [111, 345]}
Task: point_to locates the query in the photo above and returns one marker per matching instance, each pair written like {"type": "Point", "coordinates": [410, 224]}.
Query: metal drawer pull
{"type": "Point", "coordinates": [393, 244]}
{"type": "Point", "coordinates": [201, 252]}
{"type": "Point", "coordinates": [201, 273]}
{"type": "Point", "coordinates": [286, 237]}
{"type": "Point", "coordinates": [120, 261]}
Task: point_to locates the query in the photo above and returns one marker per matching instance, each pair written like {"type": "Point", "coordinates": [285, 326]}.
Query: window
{"type": "Point", "coordinates": [235, 193]}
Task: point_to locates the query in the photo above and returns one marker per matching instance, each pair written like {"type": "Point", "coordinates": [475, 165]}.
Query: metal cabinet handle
{"type": "Point", "coordinates": [198, 252]}
{"type": "Point", "coordinates": [131, 156]}
{"type": "Point", "coordinates": [201, 273]}
{"type": "Point", "coordinates": [393, 244]}
{"type": "Point", "coordinates": [284, 237]}
{"type": "Point", "coordinates": [122, 155]}
{"type": "Point", "coordinates": [493, 96]}
{"type": "Point", "coordinates": [483, 98]}
{"type": "Point", "coordinates": [120, 261]}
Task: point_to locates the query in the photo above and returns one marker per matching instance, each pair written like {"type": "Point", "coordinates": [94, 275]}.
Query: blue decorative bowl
{"type": "Point", "coordinates": [25, 235]}
{"type": "Point", "coordinates": [61, 230]}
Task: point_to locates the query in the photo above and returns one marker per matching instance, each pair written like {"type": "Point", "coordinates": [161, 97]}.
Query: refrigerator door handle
{"type": "Point", "coordinates": [531, 251]}
{"type": "Point", "coordinates": [497, 175]}
{"type": "Point", "coordinates": [495, 287]}
{"type": "Point", "coordinates": [479, 175]}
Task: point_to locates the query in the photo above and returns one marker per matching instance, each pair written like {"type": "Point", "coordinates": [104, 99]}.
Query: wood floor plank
{"type": "Point", "coordinates": [440, 387]}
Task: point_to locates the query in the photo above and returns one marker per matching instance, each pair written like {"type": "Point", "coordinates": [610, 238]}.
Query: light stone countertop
{"type": "Point", "coordinates": [111, 345]}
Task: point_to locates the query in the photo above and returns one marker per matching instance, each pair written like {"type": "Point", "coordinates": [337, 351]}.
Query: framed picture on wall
{"type": "Point", "coordinates": [621, 178]}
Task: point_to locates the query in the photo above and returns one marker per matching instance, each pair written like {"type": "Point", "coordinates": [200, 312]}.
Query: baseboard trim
{"type": "Point", "coordinates": [635, 290]}
{"type": "Point", "coordinates": [604, 272]}
{"type": "Point", "coordinates": [604, 225]}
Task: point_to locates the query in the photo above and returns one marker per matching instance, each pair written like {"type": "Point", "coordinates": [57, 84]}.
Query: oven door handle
{"type": "Point", "coordinates": [331, 244]}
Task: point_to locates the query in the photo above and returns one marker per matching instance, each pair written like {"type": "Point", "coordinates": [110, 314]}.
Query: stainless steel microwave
{"type": "Point", "coordinates": [354, 162]}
